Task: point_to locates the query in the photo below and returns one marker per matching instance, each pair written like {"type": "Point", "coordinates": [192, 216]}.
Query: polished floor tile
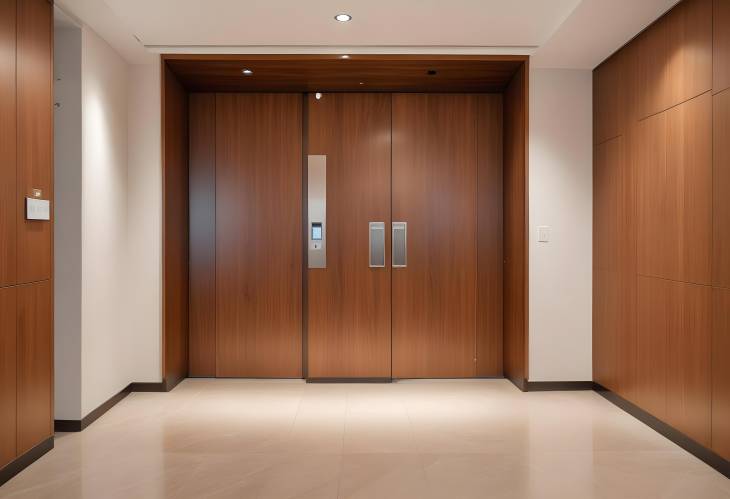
{"type": "Point", "coordinates": [414, 439]}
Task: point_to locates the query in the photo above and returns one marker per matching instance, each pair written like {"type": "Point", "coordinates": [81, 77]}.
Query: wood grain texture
{"type": "Point", "coordinates": [35, 363]}
{"type": "Point", "coordinates": [721, 46]}
{"type": "Point", "coordinates": [721, 372]}
{"type": "Point", "coordinates": [8, 335]}
{"type": "Point", "coordinates": [175, 228]}
{"type": "Point", "coordinates": [258, 235]}
{"type": "Point", "coordinates": [675, 193]}
{"type": "Point", "coordinates": [659, 219]}
{"type": "Point", "coordinates": [490, 257]}
{"type": "Point", "coordinates": [34, 136]}
{"type": "Point", "coordinates": [349, 303]}
{"type": "Point", "coordinates": [515, 228]}
{"type": "Point", "coordinates": [675, 57]}
{"type": "Point", "coordinates": [614, 264]}
{"type": "Point", "coordinates": [674, 358]}
{"type": "Point", "coordinates": [610, 81]}
{"type": "Point", "coordinates": [721, 189]}
{"type": "Point", "coordinates": [434, 191]}
{"type": "Point", "coordinates": [689, 367]}
{"type": "Point", "coordinates": [8, 164]}
{"type": "Point", "coordinates": [652, 349]}
{"type": "Point", "coordinates": [202, 234]}
{"type": "Point", "coordinates": [322, 73]}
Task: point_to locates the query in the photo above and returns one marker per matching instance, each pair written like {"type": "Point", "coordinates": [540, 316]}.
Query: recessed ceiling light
{"type": "Point", "coordinates": [247, 72]}
{"type": "Point", "coordinates": [318, 96]}
{"type": "Point", "coordinates": [362, 83]}
{"type": "Point", "coordinates": [343, 18]}
{"type": "Point", "coordinates": [345, 56]}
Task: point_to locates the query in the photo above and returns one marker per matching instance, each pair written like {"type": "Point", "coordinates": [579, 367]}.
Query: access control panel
{"type": "Point", "coordinates": [317, 211]}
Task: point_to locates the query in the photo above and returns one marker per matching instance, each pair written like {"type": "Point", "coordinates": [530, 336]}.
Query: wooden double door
{"type": "Point", "coordinates": [409, 161]}
{"type": "Point", "coordinates": [429, 161]}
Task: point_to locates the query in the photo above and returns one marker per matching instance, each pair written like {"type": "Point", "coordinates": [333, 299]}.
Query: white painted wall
{"type": "Point", "coordinates": [561, 197]}
{"type": "Point", "coordinates": [144, 221]}
{"type": "Point", "coordinates": [108, 223]}
{"type": "Point", "coordinates": [106, 352]}
{"type": "Point", "coordinates": [67, 223]}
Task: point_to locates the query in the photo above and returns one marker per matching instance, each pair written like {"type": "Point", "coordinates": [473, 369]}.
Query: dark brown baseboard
{"type": "Point", "coordinates": [519, 383]}
{"type": "Point", "coordinates": [170, 383]}
{"type": "Point", "coordinates": [69, 425]}
{"type": "Point", "coordinates": [19, 464]}
{"type": "Point", "coordinates": [701, 452]}
{"type": "Point", "coordinates": [73, 425]}
{"type": "Point", "coordinates": [349, 380]}
{"type": "Point", "coordinates": [149, 387]}
{"type": "Point", "coordinates": [558, 386]}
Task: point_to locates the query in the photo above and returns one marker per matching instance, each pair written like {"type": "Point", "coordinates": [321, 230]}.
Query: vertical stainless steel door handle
{"type": "Point", "coordinates": [400, 248]}
{"type": "Point", "coordinates": [377, 244]}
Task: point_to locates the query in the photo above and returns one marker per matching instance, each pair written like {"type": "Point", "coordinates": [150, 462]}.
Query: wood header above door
{"type": "Point", "coordinates": [333, 73]}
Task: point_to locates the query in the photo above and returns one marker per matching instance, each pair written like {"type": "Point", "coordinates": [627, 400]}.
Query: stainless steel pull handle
{"type": "Point", "coordinates": [400, 253]}
{"type": "Point", "coordinates": [377, 244]}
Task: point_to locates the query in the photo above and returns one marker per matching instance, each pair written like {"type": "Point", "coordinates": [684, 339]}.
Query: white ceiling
{"type": "Point", "coordinates": [596, 29]}
{"type": "Point", "coordinates": [559, 33]}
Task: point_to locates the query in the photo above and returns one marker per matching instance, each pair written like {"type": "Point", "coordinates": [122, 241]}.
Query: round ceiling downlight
{"type": "Point", "coordinates": [247, 72]}
{"type": "Point", "coordinates": [343, 18]}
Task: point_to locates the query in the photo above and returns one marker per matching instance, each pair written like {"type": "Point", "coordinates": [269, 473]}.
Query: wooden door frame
{"type": "Point", "coordinates": [174, 171]}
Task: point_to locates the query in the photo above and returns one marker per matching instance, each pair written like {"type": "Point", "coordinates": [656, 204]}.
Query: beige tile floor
{"type": "Point", "coordinates": [420, 439]}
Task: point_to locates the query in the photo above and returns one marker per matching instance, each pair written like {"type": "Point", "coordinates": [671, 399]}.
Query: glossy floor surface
{"type": "Point", "coordinates": [421, 439]}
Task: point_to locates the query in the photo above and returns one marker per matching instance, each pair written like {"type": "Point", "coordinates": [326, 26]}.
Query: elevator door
{"type": "Point", "coordinates": [435, 193]}
{"type": "Point", "coordinates": [348, 326]}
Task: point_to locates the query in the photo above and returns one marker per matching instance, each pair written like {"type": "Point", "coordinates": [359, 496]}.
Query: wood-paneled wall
{"type": "Point", "coordinates": [225, 260]}
{"type": "Point", "coordinates": [661, 222]}
{"type": "Point", "coordinates": [26, 246]}
{"type": "Point", "coordinates": [175, 228]}
{"type": "Point", "coordinates": [490, 235]}
{"type": "Point", "coordinates": [515, 228]}
{"type": "Point", "coordinates": [202, 235]}
{"type": "Point", "coordinates": [258, 153]}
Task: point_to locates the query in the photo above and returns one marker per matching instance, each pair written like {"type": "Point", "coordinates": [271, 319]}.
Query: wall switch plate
{"type": "Point", "coordinates": [543, 234]}
{"type": "Point", "coordinates": [37, 209]}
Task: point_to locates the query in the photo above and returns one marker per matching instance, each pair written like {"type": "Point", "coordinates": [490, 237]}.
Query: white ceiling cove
{"type": "Point", "coordinates": [559, 33]}
{"type": "Point", "coordinates": [485, 23]}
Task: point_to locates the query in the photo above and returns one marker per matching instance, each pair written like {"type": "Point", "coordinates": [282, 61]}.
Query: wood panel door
{"type": "Point", "coordinates": [348, 329]}
{"type": "Point", "coordinates": [35, 364]}
{"type": "Point", "coordinates": [435, 193]}
{"type": "Point", "coordinates": [258, 235]}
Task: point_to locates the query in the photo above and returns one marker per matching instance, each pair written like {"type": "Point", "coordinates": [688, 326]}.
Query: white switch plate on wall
{"type": "Point", "coordinates": [37, 209]}
{"type": "Point", "coordinates": [543, 234]}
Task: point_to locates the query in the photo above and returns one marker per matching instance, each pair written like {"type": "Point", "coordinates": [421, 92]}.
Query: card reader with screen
{"type": "Point", "coordinates": [316, 236]}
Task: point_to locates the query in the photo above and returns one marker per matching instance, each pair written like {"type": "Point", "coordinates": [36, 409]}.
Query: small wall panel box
{"type": "Point", "coordinates": [37, 209]}
{"type": "Point", "coordinates": [543, 234]}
